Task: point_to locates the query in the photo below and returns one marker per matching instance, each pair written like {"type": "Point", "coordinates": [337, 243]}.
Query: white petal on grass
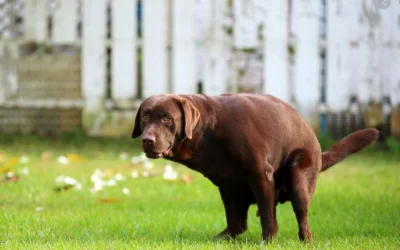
{"type": "Point", "coordinates": [60, 179]}
{"type": "Point", "coordinates": [135, 174]}
{"type": "Point", "coordinates": [98, 186]}
{"type": "Point", "coordinates": [143, 157]}
{"type": "Point", "coordinates": [148, 164]}
{"type": "Point", "coordinates": [109, 183]}
{"type": "Point", "coordinates": [78, 186]}
{"type": "Point", "coordinates": [170, 173]}
{"type": "Point", "coordinates": [125, 191]}
{"type": "Point", "coordinates": [63, 160]}
{"type": "Point", "coordinates": [145, 174]}
{"type": "Point", "coordinates": [24, 171]}
{"type": "Point", "coordinates": [24, 159]}
{"type": "Point", "coordinates": [119, 177]}
{"type": "Point", "coordinates": [10, 175]}
{"type": "Point", "coordinates": [123, 156]}
{"type": "Point", "coordinates": [135, 160]}
{"type": "Point", "coordinates": [39, 209]}
{"type": "Point", "coordinates": [70, 181]}
{"type": "Point", "coordinates": [96, 176]}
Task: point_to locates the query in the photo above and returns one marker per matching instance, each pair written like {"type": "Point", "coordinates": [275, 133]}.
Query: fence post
{"type": "Point", "coordinates": [184, 47]}
{"type": "Point", "coordinates": [306, 27]}
{"type": "Point", "coordinates": [65, 22]}
{"type": "Point", "coordinates": [93, 55]}
{"type": "Point", "coordinates": [217, 48]}
{"type": "Point", "coordinates": [338, 54]}
{"type": "Point", "coordinates": [370, 49]}
{"type": "Point", "coordinates": [124, 56]}
{"type": "Point", "coordinates": [35, 20]}
{"type": "Point", "coordinates": [276, 56]}
{"type": "Point", "coordinates": [245, 27]}
{"type": "Point", "coordinates": [155, 45]}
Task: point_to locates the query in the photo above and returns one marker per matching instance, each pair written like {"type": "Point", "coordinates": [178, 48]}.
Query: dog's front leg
{"type": "Point", "coordinates": [236, 204]}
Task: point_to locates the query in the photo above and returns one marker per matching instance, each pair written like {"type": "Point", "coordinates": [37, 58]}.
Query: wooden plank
{"type": "Point", "coordinates": [387, 49]}
{"type": "Point", "coordinates": [155, 44]}
{"type": "Point", "coordinates": [245, 25]}
{"type": "Point", "coordinates": [93, 54]}
{"type": "Point", "coordinates": [3, 74]}
{"type": "Point", "coordinates": [370, 45]}
{"type": "Point", "coordinates": [306, 23]}
{"type": "Point", "coordinates": [184, 47]}
{"type": "Point", "coordinates": [123, 50]}
{"type": "Point", "coordinates": [65, 19]}
{"type": "Point", "coordinates": [35, 20]}
{"type": "Point", "coordinates": [395, 57]}
{"type": "Point", "coordinates": [354, 11]}
{"type": "Point", "coordinates": [276, 57]}
{"type": "Point", "coordinates": [338, 52]}
{"type": "Point", "coordinates": [217, 47]}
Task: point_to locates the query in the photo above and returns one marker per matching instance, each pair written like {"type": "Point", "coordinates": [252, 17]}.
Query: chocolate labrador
{"type": "Point", "coordinates": [255, 148]}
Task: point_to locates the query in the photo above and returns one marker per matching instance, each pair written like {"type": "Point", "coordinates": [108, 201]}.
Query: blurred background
{"type": "Point", "coordinates": [84, 65]}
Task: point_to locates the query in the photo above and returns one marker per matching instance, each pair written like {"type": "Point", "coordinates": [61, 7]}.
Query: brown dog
{"type": "Point", "coordinates": [255, 148]}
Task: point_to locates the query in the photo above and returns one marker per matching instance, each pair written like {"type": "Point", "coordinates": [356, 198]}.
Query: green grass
{"type": "Point", "coordinates": [356, 205]}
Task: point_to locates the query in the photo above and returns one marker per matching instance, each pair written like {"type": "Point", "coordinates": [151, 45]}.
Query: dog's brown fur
{"type": "Point", "coordinates": [255, 148]}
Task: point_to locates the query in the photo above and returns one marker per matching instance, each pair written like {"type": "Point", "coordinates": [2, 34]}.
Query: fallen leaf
{"type": "Point", "coordinates": [109, 200]}
{"type": "Point", "coordinates": [74, 158]}
{"type": "Point", "coordinates": [11, 177]}
{"type": "Point", "coordinates": [46, 155]}
{"type": "Point", "coordinates": [11, 162]}
{"type": "Point", "coordinates": [63, 188]}
{"type": "Point", "coordinates": [187, 178]}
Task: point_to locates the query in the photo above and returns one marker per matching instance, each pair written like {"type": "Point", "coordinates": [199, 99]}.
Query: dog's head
{"type": "Point", "coordinates": [162, 121]}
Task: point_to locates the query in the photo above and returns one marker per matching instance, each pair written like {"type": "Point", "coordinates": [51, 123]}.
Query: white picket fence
{"type": "Point", "coordinates": [189, 41]}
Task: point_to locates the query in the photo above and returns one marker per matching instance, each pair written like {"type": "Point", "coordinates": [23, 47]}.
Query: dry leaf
{"type": "Point", "coordinates": [46, 155]}
{"type": "Point", "coordinates": [74, 158]}
{"type": "Point", "coordinates": [187, 178]}
{"type": "Point", "coordinates": [109, 200]}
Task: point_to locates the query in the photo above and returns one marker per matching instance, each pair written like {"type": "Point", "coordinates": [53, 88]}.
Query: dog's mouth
{"type": "Point", "coordinates": [156, 155]}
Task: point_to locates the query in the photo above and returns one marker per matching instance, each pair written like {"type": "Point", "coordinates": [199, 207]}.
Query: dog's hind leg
{"type": "Point", "coordinates": [302, 187]}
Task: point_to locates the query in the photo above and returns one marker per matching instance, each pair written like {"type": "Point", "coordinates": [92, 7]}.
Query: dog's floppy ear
{"type": "Point", "coordinates": [137, 131]}
{"type": "Point", "coordinates": [191, 115]}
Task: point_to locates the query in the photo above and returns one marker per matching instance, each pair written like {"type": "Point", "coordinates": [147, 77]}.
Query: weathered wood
{"type": "Point", "coordinates": [217, 48]}
{"type": "Point", "coordinates": [124, 54]}
{"type": "Point", "coordinates": [306, 23]}
{"type": "Point", "coordinates": [65, 19]}
{"type": "Point", "coordinates": [35, 20]}
{"type": "Point", "coordinates": [183, 47]}
{"type": "Point", "coordinates": [354, 36]}
{"type": "Point", "coordinates": [370, 49]}
{"type": "Point", "coordinates": [155, 28]}
{"type": "Point", "coordinates": [93, 54]}
{"type": "Point", "coordinates": [338, 54]}
{"type": "Point", "coordinates": [393, 57]}
{"type": "Point", "coordinates": [276, 56]}
{"type": "Point", "coordinates": [245, 25]}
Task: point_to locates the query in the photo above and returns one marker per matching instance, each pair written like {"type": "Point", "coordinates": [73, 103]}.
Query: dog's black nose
{"type": "Point", "coordinates": [148, 140]}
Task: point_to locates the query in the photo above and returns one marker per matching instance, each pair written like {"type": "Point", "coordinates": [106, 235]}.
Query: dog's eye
{"type": "Point", "coordinates": [166, 118]}
{"type": "Point", "coordinates": [145, 116]}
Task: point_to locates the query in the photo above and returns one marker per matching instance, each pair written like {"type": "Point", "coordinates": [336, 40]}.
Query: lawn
{"type": "Point", "coordinates": [356, 205]}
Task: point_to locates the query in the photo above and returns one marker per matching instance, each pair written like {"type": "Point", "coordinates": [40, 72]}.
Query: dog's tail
{"type": "Point", "coordinates": [348, 145]}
